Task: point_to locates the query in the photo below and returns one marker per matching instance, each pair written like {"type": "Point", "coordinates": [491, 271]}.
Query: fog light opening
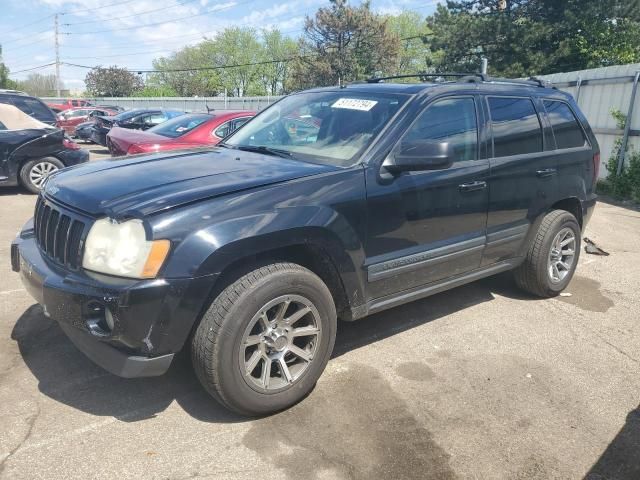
{"type": "Point", "coordinates": [100, 322]}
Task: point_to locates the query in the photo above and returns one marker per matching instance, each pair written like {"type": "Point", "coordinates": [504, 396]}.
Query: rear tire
{"type": "Point", "coordinates": [34, 172]}
{"type": "Point", "coordinates": [266, 339]}
{"type": "Point", "coordinates": [552, 256]}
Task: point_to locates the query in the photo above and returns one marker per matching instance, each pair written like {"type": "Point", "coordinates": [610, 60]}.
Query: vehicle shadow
{"type": "Point", "coordinates": [620, 460]}
{"type": "Point", "coordinates": [67, 376]}
{"type": "Point", "coordinates": [15, 191]}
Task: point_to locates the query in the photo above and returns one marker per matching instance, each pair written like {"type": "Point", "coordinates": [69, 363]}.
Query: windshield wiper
{"type": "Point", "coordinates": [268, 150]}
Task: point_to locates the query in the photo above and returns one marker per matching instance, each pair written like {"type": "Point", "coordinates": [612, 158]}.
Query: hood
{"type": "Point", "coordinates": [145, 184]}
{"type": "Point", "coordinates": [123, 138]}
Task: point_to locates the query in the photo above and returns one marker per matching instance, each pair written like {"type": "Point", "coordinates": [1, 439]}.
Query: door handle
{"type": "Point", "coordinates": [546, 172]}
{"type": "Point", "coordinates": [472, 186]}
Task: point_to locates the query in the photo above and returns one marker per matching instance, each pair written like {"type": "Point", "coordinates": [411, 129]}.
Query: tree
{"type": "Point", "coordinates": [38, 85]}
{"type": "Point", "coordinates": [412, 32]}
{"type": "Point", "coordinates": [240, 47]}
{"type": "Point", "coordinates": [523, 37]}
{"type": "Point", "coordinates": [278, 49]}
{"type": "Point", "coordinates": [5, 81]}
{"type": "Point", "coordinates": [343, 43]}
{"type": "Point", "coordinates": [112, 82]}
{"type": "Point", "coordinates": [203, 83]}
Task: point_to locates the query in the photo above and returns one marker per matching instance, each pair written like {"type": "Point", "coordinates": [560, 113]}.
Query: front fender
{"type": "Point", "coordinates": [212, 249]}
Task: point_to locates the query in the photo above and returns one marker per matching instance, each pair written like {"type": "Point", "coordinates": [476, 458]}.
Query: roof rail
{"type": "Point", "coordinates": [469, 78]}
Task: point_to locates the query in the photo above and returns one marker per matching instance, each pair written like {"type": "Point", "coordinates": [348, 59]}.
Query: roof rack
{"type": "Point", "coordinates": [469, 78]}
{"type": "Point", "coordinates": [479, 76]}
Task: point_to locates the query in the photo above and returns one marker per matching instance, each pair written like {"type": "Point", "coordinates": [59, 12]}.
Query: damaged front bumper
{"type": "Point", "coordinates": [131, 328]}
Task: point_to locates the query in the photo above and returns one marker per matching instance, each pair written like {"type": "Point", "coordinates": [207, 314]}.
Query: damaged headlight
{"type": "Point", "coordinates": [122, 249]}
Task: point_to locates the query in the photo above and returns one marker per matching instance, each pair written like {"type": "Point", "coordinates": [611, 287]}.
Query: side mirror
{"type": "Point", "coordinates": [415, 155]}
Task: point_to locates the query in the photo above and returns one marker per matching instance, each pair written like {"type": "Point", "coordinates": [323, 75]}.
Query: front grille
{"type": "Point", "coordinates": [59, 234]}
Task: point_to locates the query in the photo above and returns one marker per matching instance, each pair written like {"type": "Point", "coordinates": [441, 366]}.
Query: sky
{"type": "Point", "coordinates": [131, 33]}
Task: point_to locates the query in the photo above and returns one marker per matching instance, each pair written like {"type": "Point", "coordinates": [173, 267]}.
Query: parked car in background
{"type": "Point", "coordinates": [138, 119]}
{"type": "Point", "coordinates": [31, 150]}
{"type": "Point", "coordinates": [185, 131]}
{"type": "Point", "coordinates": [67, 104]}
{"type": "Point", "coordinates": [115, 108]}
{"type": "Point", "coordinates": [32, 106]}
{"type": "Point", "coordinates": [69, 119]}
{"type": "Point", "coordinates": [84, 130]}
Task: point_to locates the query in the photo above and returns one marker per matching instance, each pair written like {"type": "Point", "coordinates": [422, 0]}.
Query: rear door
{"type": "Point", "coordinates": [523, 178]}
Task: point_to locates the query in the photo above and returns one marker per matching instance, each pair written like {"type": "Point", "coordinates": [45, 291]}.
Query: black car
{"type": "Point", "coordinates": [139, 119]}
{"type": "Point", "coordinates": [32, 106]}
{"type": "Point", "coordinates": [31, 150]}
{"type": "Point", "coordinates": [249, 252]}
{"type": "Point", "coordinates": [84, 130]}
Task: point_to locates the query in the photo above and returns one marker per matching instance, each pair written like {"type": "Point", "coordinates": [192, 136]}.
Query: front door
{"type": "Point", "coordinates": [424, 226]}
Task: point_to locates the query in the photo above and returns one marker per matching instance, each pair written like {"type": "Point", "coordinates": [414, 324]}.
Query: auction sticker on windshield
{"type": "Point", "coordinates": [354, 104]}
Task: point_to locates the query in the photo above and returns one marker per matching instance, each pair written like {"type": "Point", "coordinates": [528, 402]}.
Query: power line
{"type": "Point", "coordinates": [179, 4]}
{"type": "Point", "coordinates": [34, 68]}
{"type": "Point", "coordinates": [167, 50]}
{"type": "Point", "coordinates": [27, 25]}
{"type": "Point", "coordinates": [204, 69]}
{"type": "Point", "coordinates": [74, 12]}
{"type": "Point", "coordinates": [27, 36]}
{"type": "Point", "coordinates": [214, 10]}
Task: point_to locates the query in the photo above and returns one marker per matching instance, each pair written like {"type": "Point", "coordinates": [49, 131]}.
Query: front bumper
{"type": "Point", "coordinates": [151, 318]}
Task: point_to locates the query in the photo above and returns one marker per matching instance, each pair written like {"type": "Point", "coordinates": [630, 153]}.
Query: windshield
{"type": "Point", "coordinates": [180, 125]}
{"type": "Point", "coordinates": [325, 127]}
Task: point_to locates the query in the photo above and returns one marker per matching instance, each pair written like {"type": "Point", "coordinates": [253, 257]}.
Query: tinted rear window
{"type": "Point", "coordinates": [34, 107]}
{"type": "Point", "coordinates": [564, 123]}
{"type": "Point", "coordinates": [516, 127]}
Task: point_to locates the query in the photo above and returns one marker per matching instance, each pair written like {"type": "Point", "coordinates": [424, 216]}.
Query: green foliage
{"type": "Point", "coordinates": [342, 44]}
{"type": "Point", "coordinates": [523, 37]}
{"type": "Point", "coordinates": [156, 91]}
{"type": "Point", "coordinates": [5, 81]}
{"type": "Point", "coordinates": [112, 82]}
{"type": "Point", "coordinates": [625, 185]}
{"type": "Point", "coordinates": [38, 85]}
{"type": "Point", "coordinates": [412, 31]}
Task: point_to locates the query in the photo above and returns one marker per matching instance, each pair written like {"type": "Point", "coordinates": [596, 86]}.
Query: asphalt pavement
{"type": "Point", "coordinates": [481, 382]}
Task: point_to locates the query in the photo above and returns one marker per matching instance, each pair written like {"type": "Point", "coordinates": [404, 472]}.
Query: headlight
{"type": "Point", "coordinates": [122, 249]}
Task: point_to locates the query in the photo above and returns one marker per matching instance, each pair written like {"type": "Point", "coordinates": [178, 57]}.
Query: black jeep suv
{"type": "Point", "coordinates": [333, 203]}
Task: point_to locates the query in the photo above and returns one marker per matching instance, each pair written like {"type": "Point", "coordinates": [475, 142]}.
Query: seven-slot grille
{"type": "Point", "coordinates": [58, 234]}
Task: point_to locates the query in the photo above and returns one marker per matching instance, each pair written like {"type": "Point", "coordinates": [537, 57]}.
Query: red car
{"type": "Point", "coordinates": [185, 131]}
{"type": "Point", "coordinates": [67, 104]}
{"type": "Point", "coordinates": [69, 119]}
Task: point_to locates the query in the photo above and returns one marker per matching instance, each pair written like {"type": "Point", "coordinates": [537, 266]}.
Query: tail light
{"type": "Point", "coordinates": [143, 148]}
{"type": "Point", "coordinates": [66, 143]}
{"type": "Point", "coordinates": [596, 166]}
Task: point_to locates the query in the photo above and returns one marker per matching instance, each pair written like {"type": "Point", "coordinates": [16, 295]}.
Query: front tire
{"type": "Point", "coordinates": [552, 256]}
{"type": "Point", "coordinates": [266, 339]}
{"type": "Point", "coordinates": [35, 172]}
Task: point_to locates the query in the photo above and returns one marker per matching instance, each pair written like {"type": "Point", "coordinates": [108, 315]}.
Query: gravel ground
{"type": "Point", "coordinates": [479, 382]}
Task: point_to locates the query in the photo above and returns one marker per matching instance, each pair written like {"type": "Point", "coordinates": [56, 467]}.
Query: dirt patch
{"type": "Point", "coordinates": [354, 426]}
{"type": "Point", "coordinates": [586, 295]}
{"type": "Point", "coordinates": [416, 371]}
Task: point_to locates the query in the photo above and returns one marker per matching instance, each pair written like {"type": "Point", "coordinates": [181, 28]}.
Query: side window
{"type": "Point", "coordinates": [2, 127]}
{"type": "Point", "coordinates": [566, 128]}
{"type": "Point", "coordinates": [451, 120]}
{"type": "Point", "coordinates": [238, 122]}
{"type": "Point", "coordinates": [155, 119]}
{"type": "Point", "coordinates": [223, 130]}
{"type": "Point", "coordinates": [515, 125]}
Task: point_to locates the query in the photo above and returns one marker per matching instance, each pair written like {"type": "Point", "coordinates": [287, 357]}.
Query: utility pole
{"type": "Point", "coordinates": [485, 64]}
{"type": "Point", "coordinates": [57, 56]}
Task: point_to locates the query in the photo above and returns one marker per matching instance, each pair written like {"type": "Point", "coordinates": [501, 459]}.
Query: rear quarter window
{"type": "Point", "coordinates": [565, 125]}
{"type": "Point", "coordinates": [35, 108]}
{"type": "Point", "coordinates": [515, 125]}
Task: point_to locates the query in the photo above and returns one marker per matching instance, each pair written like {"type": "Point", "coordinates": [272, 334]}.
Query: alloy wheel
{"type": "Point", "coordinates": [280, 342]}
{"type": "Point", "coordinates": [40, 171]}
{"type": "Point", "coordinates": [562, 255]}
